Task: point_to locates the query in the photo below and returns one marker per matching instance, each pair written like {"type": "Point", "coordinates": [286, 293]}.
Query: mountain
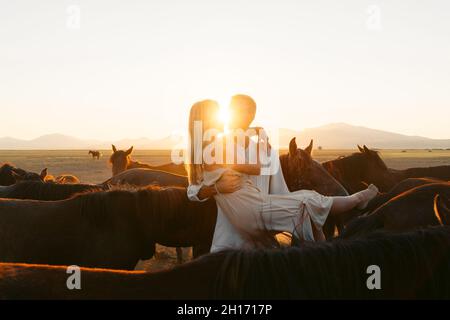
{"type": "Point", "coordinates": [60, 142]}
{"type": "Point", "coordinates": [331, 136]}
{"type": "Point", "coordinates": [49, 141]}
{"type": "Point", "coordinates": [345, 136]}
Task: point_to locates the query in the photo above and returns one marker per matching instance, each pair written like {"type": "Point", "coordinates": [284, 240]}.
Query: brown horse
{"type": "Point", "coordinates": [37, 190]}
{"type": "Point", "coordinates": [145, 177]}
{"type": "Point", "coordinates": [421, 206]}
{"type": "Point", "coordinates": [121, 161]}
{"type": "Point", "coordinates": [398, 189]}
{"type": "Point", "coordinates": [358, 170]}
{"type": "Point", "coordinates": [301, 172]}
{"type": "Point", "coordinates": [10, 175]}
{"type": "Point", "coordinates": [414, 265]}
{"type": "Point", "coordinates": [95, 154]}
{"type": "Point", "coordinates": [112, 229]}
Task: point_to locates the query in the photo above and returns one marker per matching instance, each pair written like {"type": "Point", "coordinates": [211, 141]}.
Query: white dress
{"type": "Point", "coordinates": [302, 213]}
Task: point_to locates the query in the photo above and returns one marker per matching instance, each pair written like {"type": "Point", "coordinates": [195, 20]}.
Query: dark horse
{"type": "Point", "coordinates": [121, 161]}
{"type": "Point", "coordinates": [398, 189]}
{"type": "Point", "coordinates": [10, 175]}
{"type": "Point", "coordinates": [359, 169]}
{"type": "Point", "coordinates": [301, 172]}
{"type": "Point", "coordinates": [37, 190]}
{"type": "Point", "coordinates": [141, 177]}
{"type": "Point", "coordinates": [421, 206]}
{"type": "Point", "coordinates": [112, 229]}
{"type": "Point", "coordinates": [95, 154]}
{"type": "Point", "coordinates": [414, 265]}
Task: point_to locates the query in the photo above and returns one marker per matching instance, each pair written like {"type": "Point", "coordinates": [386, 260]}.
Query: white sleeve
{"type": "Point", "coordinates": [192, 192]}
{"type": "Point", "coordinates": [277, 183]}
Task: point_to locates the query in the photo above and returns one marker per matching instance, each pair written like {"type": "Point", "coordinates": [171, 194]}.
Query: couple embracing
{"type": "Point", "coordinates": [251, 205]}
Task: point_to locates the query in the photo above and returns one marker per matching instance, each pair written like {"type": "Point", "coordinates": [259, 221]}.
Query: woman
{"type": "Point", "coordinates": [252, 213]}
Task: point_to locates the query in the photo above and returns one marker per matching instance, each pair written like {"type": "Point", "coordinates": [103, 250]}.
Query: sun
{"type": "Point", "coordinates": [224, 113]}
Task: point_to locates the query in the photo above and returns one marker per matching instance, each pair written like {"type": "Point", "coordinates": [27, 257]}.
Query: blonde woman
{"type": "Point", "coordinates": [250, 211]}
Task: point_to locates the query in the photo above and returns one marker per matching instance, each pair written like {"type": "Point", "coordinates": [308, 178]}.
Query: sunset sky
{"type": "Point", "coordinates": [134, 68]}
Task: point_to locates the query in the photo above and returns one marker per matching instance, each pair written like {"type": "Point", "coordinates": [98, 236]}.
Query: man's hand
{"type": "Point", "coordinates": [229, 182]}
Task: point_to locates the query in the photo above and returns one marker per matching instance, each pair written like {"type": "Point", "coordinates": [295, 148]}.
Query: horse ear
{"type": "Point", "coordinates": [441, 210]}
{"type": "Point", "coordinates": [114, 148]}
{"type": "Point", "coordinates": [129, 151]}
{"type": "Point", "coordinates": [309, 148]}
{"type": "Point", "coordinates": [367, 150]}
{"type": "Point", "coordinates": [360, 149]}
{"type": "Point", "coordinates": [43, 174]}
{"type": "Point", "coordinates": [293, 147]}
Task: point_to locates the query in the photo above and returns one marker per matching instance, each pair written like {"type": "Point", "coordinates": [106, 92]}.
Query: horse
{"type": "Point", "coordinates": [358, 170]}
{"type": "Point", "coordinates": [143, 177]}
{"type": "Point", "coordinates": [425, 205]}
{"type": "Point", "coordinates": [112, 229]}
{"type": "Point", "coordinates": [398, 189]}
{"type": "Point", "coordinates": [67, 179]}
{"type": "Point", "coordinates": [10, 175]}
{"type": "Point", "coordinates": [121, 161]}
{"type": "Point", "coordinates": [437, 172]}
{"type": "Point", "coordinates": [414, 265]}
{"type": "Point", "coordinates": [37, 190]}
{"type": "Point", "coordinates": [95, 154]}
{"type": "Point", "coordinates": [301, 172]}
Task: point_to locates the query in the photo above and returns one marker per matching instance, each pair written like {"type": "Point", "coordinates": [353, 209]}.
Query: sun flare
{"type": "Point", "coordinates": [224, 113]}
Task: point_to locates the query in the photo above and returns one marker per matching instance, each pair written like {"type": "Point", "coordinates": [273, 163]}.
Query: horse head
{"type": "Point", "coordinates": [374, 170]}
{"type": "Point", "coordinates": [301, 172]}
{"type": "Point", "coordinates": [120, 160]}
{"type": "Point", "coordinates": [22, 175]}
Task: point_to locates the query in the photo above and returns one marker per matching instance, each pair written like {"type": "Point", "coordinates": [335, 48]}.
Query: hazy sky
{"type": "Point", "coordinates": [134, 68]}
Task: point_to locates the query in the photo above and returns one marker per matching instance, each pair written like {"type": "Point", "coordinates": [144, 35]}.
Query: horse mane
{"type": "Point", "coordinates": [37, 190]}
{"type": "Point", "coordinates": [413, 265]}
{"type": "Point", "coordinates": [145, 203]}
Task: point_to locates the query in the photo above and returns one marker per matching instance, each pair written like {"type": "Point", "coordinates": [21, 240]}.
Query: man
{"type": "Point", "coordinates": [242, 114]}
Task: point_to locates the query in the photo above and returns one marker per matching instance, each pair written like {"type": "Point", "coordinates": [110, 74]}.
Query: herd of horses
{"type": "Point", "coordinates": [107, 228]}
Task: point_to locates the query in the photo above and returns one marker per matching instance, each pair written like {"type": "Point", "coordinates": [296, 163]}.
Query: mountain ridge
{"type": "Point", "coordinates": [330, 136]}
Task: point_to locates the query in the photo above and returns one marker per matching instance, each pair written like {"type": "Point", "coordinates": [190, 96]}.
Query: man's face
{"type": "Point", "coordinates": [241, 116]}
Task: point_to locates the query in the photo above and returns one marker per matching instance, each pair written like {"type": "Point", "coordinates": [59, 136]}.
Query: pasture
{"type": "Point", "coordinates": [89, 170]}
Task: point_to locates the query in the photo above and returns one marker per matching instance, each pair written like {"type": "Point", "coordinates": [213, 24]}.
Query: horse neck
{"type": "Point", "coordinates": [136, 165]}
{"type": "Point", "coordinates": [441, 172]}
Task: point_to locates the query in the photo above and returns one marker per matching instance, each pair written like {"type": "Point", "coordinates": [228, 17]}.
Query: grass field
{"type": "Point", "coordinates": [80, 164]}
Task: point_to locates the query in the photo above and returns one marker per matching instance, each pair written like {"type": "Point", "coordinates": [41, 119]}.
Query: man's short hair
{"type": "Point", "coordinates": [242, 100]}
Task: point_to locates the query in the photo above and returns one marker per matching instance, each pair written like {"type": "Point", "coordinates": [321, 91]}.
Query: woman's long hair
{"type": "Point", "coordinates": [204, 115]}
